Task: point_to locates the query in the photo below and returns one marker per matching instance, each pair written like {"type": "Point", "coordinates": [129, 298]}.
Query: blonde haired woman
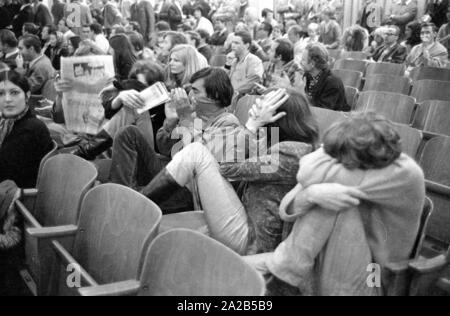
{"type": "Point", "coordinates": [184, 61]}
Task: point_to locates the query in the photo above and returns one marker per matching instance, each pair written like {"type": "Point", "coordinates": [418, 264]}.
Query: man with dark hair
{"type": "Point", "coordinates": [324, 89]}
{"type": "Point", "coordinates": [30, 28]}
{"type": "Point", "coordinates": [162, 26]}
{"type": "Point", "coordinates": [193, 38]}
{"type": "Point", "coordinates": [221, 33]}
{"type": "Point", "coordinates": [263, 41]}
{"type": "Point", "coordinates": [202, 22]}
{"type": "Point", "coordinates": [267, 15]}
{"type": "Point", "coordinates": [281, 70]}
{"type": "Point", "coordinates": [143, 13]}
{"type": "Point", "coordinates": [96, 34]}
{"type": "Point", "coordinates": [39, 69]}
{"type": "Point", "coordinates": [135, 162]}
{"type": "Point", "coordinates": [391, 51]}
{"type": "Point", "coordinates": [8, 47]}
{"type": "Point", "coordinates": [430, 53]}
{"type": "Point", "coordinates": [247, 69]}
{"type": "Point", "coordinates": [203, 47]}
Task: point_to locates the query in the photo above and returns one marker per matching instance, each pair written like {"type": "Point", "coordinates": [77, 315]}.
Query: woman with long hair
{"type": "Point", "coordinates": [184, 61]}
{"type": "Point", "coordinates": [412, 33]}
{"type": "Point", "coordinates": [123, 54]}
{"type": "Point", "coordinates": [24, 140]}
{"type": "Point", "coordinates": [250, 224]}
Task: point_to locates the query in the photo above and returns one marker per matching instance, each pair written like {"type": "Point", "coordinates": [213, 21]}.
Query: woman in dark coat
{"type": "Point", "coordinates": [24, 140]}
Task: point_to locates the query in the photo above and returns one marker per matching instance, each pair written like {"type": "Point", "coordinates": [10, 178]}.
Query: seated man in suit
{"type": "Point", "coordinates": [39, 69]}
{"type": "Point", "coordinates": [391, 51]}
{"type": "Point", "coordinates": [8, 48]}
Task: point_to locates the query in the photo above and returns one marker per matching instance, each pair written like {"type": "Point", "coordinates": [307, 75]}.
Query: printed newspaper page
{"type": "Point", "coordinates": [88, 75]}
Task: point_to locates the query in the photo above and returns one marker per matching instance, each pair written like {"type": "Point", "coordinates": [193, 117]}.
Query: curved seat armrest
{"type": "Point", "coordinates": [126, 288]}
{"type": "Point", "coordinates": [53, 232]}
{"type": "Point", "coordinates": [425, 266]}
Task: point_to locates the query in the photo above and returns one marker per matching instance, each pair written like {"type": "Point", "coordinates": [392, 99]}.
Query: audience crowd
{"type": "Point", "coordinates": [273, 187]}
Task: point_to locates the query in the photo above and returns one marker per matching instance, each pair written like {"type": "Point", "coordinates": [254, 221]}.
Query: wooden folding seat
{"type": "Point", "coordinates": [431, 73]}
{"type": "Point", "coordinates": [354, 55]}
{"type": "Point", "coordinates": [351, 94]}
{"type": "Point", "coordinates": [63, 182]}
{"type": "Point", "coordinates": [187, 263]}
{"type": "Point", "coordinates": [385, 69]}
{"type": "Point", "coordinates": [243, 106]}
{"type": "Point", "coordinates": [411, 139]}
{"type": "Point", "coordinates": [396, 107]}
{"type": "Point", "coordinates": [433, 117]}
{"type": "Point", "coordinates": [424, 90]}
{"type": "Point", "coordinates": [115, 229]}
{"type": "Point", "coordinates": [351, 64]}
{"type": "Point", "coordinates": [49, 155]}
{"type": "Point", "coordinates": [335, 54]}
{"type": "Point", "coordinates": [349, 78]}
{"type": "Point", "coordinates": [326, 118]}
{"type": "Point", "coordinates": [436, 165]}
{"type": "Point", "coordinates": [387, 83]}
{"type": "Point", "coordinates": [218, 60]}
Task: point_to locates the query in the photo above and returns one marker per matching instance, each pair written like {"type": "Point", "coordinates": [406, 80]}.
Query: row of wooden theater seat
{"type": "Point", "coordinates": [110, 232]}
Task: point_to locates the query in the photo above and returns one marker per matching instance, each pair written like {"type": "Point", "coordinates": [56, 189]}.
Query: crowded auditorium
{"type": "Point", "coordinates": [119, 118]}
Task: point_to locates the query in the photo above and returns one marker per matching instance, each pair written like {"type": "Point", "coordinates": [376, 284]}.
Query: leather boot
{"type": "Point", "coordinates": [96, 146]}
{"type": "Point", "coordinates": [161, 188]}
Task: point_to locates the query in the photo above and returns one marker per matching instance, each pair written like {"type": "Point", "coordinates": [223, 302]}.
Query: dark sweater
{"type": "Point", "coordinates": [328, 93]}
{"type": "Point", "coordinates": [22, 151]}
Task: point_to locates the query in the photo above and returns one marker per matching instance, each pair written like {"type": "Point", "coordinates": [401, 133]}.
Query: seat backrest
{"type": "Point", "coordinates": [64, 181]}
{"type": "Point", "coordinates": [411, 139]}
{"type": "Point", "coordinates": [50, 154]}
{"type": "Point", "coordinates": [432, 73]}
{"type": "Point", "coordinates": [335, 53]}
{"type": "Point", "coordinates": [243, 106]}
{"type": "Point", "coordinates": [218, 60]}
{"type": "Point", "coordinates": [388, 83]}
{"type": "Point", "coordinates": [436, 166]}
{"type": "Point", "coordinates": [351, 64]}
{"type": "Point", "coordinates": [385, 69]}
{"type": "Point", "coordinates": [424, 219]}
{"type": "Point", "coordinates": [396, 107]}
{"type": "Point", "coordinates": [351, 94]}
{"type": "Point", "coordinates": [117, 225]}
{"type": "Point", "coordinates": [326, 118]}
{"type": "Point", "coordinates": [187, 263]}
{"type": "Point", "coordinates": [424, 90]}
{"type": "Point", "coordinates": [433, 116]}
{"type": "Point", "coordinates": [349, 78]}
{"type": "Point", "coordinates": [354, 55]}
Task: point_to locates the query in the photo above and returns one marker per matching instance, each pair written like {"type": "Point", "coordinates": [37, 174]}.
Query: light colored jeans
{"type": "Point", "coordinates": [326, 254]}
{"type": "Point", "coordinates": [126, 117]}
{"type": "Point", "coordinates": [225, 214]}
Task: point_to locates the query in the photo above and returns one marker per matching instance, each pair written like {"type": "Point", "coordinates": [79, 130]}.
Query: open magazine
{"type": "Point", "coordinates": [154, 96]}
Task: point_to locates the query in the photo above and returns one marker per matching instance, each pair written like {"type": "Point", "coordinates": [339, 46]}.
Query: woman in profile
{"type": "Point", "coordinates": [124, 55]}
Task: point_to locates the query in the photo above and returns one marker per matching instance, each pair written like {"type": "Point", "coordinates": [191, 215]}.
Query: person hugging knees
{"type": "Point", "coordinates": [358, 201]}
